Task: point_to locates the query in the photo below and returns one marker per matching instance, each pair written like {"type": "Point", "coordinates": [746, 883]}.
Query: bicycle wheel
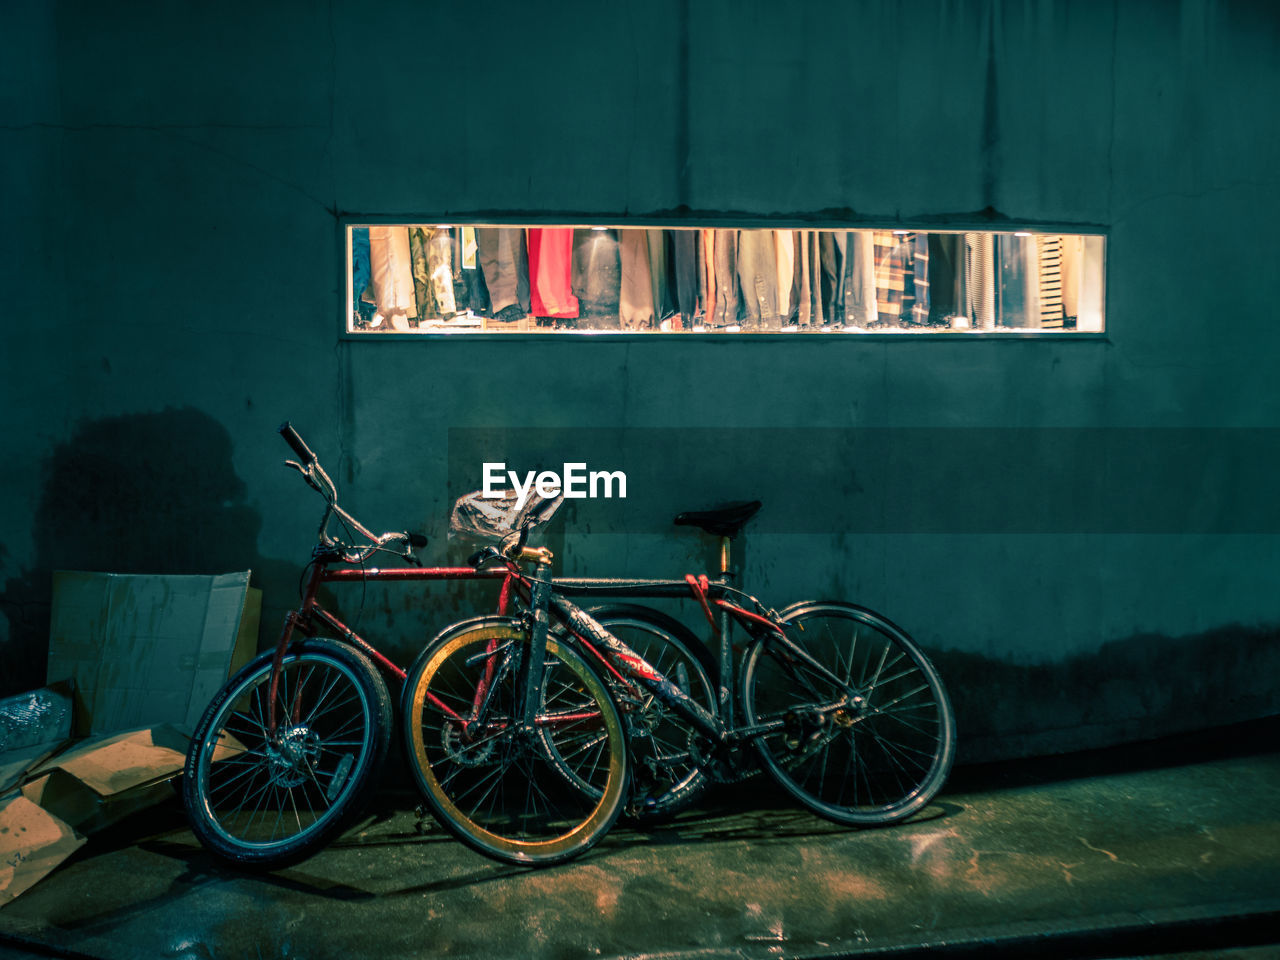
{"type": "Point", "coordinates": [264, 800]}
{"type": "Point", "coordinates": [872, 749]}
{"type": "Point", "coordinates": [665, 777]}
{"type": "Point", "coordinates": [502, 790]}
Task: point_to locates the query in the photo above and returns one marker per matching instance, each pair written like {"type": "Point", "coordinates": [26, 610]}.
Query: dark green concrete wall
{"type": "Point", "coordinates": [172, 183]}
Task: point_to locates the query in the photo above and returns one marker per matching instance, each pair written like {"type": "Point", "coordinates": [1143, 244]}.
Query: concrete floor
{"type": "Point", "coordinates": [1160, 844]}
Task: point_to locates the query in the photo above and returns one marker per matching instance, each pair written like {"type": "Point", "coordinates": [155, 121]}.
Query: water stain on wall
{"type": "Point", "coordinates": [139, 493]}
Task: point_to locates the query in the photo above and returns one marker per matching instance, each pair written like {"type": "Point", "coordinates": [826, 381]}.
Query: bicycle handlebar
{"type": "Point", "coordinates": [301, 449]}
{"type": "Point", "coordinates": [310, 469]}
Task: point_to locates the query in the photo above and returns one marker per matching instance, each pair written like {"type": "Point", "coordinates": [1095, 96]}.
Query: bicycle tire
{"type": "Point", "coordinates": [483, 779]}
{"type": "Point", "coordinates": [665, 776]}
{"type": "Point", "coordinates": [876, 761]}
{"type": "Point", "coordinates": [332, 705]}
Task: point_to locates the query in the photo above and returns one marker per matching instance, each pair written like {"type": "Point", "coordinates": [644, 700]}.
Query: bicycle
{"type": "Point", "coordinates": [288, 751]}
{"type": "Point", "coordinates": [805, 694]}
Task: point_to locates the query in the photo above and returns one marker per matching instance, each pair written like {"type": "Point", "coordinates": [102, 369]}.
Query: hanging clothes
{"type": "Point", "coordinates": [684, 250]}
{"type": "Point", "coordinates": [430, 251]}
{"type": "Point", "coordinates": [832, 250]}
{"type": "Point", "coordinates": [440, 264]}
{"type": "Point", "coordinates": [1071, 262]}
{"type": "Point", "coordinates": [859, 284]}
{"type": "Point", "coordinates": [707, 241]}
{"type": "Point", "coordinates": [1018, 291]}
{"type": "Point", "coordinates": [758, 278]}
{"type": "Point", "coordinates": [895, 276]}
{"type": "Point", "coordinates": [596, 277]}
{"type": "Point", "coordinates": [809, 287]}
{"type": "Point", "coordinates": [723, 311]}
{"type": "Point", "coordinates": [980, 277]}
{"type": "Point", "coordinates": [550, 272]}
{"type": "Point", "coordinates": [360, 274]}
{"type": "Point", "coordinates": [469, 290]}
{"type": "Point", "coordinates": [421, 272]}
{"type": "Point", "coordinates": [659, 275]}
{"type": "Point", "coordinates": [804, 278]}
{"type": "Point", "coordinates": [504, 258]}
{"type": "Point", "coordinates": [944, 276]}
{"type": "Point", "coordinates": [784, 247]}
{"type": "Point", "coordinates": [1049, 249]}
{"type": "Point", "coordinates": [391, 272]}
{"type": "Point", "coordinates": [920, 277]}
{"type": "Point", "coordinates": [635, 298]}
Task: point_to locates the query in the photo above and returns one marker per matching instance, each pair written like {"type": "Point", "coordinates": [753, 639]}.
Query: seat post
{"type": "Point", "coordinates": [724, 556]}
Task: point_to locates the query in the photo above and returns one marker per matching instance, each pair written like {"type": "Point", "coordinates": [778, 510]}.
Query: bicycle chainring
{"type": "Point", "coordinates": [465, 754]}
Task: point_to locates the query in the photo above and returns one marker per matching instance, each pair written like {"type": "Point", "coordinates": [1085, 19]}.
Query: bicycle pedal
{"type": "Point", "coordinates": [422, 820]}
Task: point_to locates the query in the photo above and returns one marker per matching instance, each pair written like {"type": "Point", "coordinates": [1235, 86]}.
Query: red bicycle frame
{"type": "Point", "coordinates": [310, 616]}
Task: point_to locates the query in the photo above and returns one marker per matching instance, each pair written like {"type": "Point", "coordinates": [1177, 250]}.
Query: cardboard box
{"type": "Point", "coordinates": [143, 650]}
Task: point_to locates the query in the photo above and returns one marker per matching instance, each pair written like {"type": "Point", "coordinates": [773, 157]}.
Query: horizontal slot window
{"type": "Point", "coordinates": [478, 278]}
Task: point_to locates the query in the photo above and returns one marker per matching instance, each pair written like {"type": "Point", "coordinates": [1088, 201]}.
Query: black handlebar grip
{"type": "Point", "coordinates": [301, 449]}
{"type": "Point", "coordinates": [417, 541]}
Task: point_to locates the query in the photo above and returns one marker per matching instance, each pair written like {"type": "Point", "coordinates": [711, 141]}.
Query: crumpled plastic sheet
{"type": "Point", "coordinates": [479, 518]}
{"type": "Point", "coordinates": [35, 718]}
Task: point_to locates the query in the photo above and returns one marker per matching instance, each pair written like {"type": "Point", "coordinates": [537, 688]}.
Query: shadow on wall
{"type": "Point", "coordinates": [1139, 688]}
{"type": "Point", "coordinates": [141, 493]}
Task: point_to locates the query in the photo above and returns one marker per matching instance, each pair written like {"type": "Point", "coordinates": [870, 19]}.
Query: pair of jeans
{"type": "Point", "coordinates": [469, 290]}
{"type": "Point", "coordinates": [597, 277]}
{"type": "Point", "coordinates": [758, 279]}
{"type": "Point", "coordinates": [720, 254]}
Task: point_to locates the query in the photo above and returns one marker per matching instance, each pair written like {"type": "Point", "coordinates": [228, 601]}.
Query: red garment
{"type": "Point", "coordinates": [550, 272]}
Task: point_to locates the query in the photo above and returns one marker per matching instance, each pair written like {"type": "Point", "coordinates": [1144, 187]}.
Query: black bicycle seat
{"type": "Point", "coordinates": [726, 521]}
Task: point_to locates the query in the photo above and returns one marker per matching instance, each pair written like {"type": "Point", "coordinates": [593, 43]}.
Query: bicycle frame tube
{"type": "Point", "coordinates": [597, 637]}
{"type": "Point", "coordinates": [305, 618]}
{"type": "Point", "coordinates": [529, 679]}
{"type": "Point", "coordinates": [725, 653]}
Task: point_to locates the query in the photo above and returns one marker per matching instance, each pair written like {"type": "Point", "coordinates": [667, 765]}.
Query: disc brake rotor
{"type": "Point", "coordinates": [293, 758]}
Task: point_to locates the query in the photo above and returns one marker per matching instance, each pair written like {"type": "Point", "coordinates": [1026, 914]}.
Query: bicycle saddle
{"type": "Point", "coordinates": [726, 521]}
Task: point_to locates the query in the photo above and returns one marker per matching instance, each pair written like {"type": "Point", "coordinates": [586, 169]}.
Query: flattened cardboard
{"type": "Point", "coordinates": [142, 650]}
{"type": "Point", "coordinates": [78, 805]}
{"type": "Point", "coordinates": [112, 765]}
{"type": "Point", "coordinates": [32, 843]}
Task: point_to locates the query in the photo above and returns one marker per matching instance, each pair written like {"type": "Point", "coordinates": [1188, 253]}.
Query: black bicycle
{"type": "Point", "coordinates": [516, 758]}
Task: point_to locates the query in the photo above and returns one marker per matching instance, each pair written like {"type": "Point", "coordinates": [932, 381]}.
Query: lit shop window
{"type": "Point", "coordinates": [458, 279]}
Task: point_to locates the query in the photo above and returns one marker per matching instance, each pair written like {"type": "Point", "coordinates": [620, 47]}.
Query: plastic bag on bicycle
{"type": "Point", "coordinates": [477, 518]}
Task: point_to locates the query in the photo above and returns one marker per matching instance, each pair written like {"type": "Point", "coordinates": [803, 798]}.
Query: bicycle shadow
{"type": "Point", "coordinates": [763, 827]}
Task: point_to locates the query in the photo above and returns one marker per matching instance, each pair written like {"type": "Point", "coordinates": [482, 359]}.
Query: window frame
{"type": "Point", "coordinates": [521, 220]}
